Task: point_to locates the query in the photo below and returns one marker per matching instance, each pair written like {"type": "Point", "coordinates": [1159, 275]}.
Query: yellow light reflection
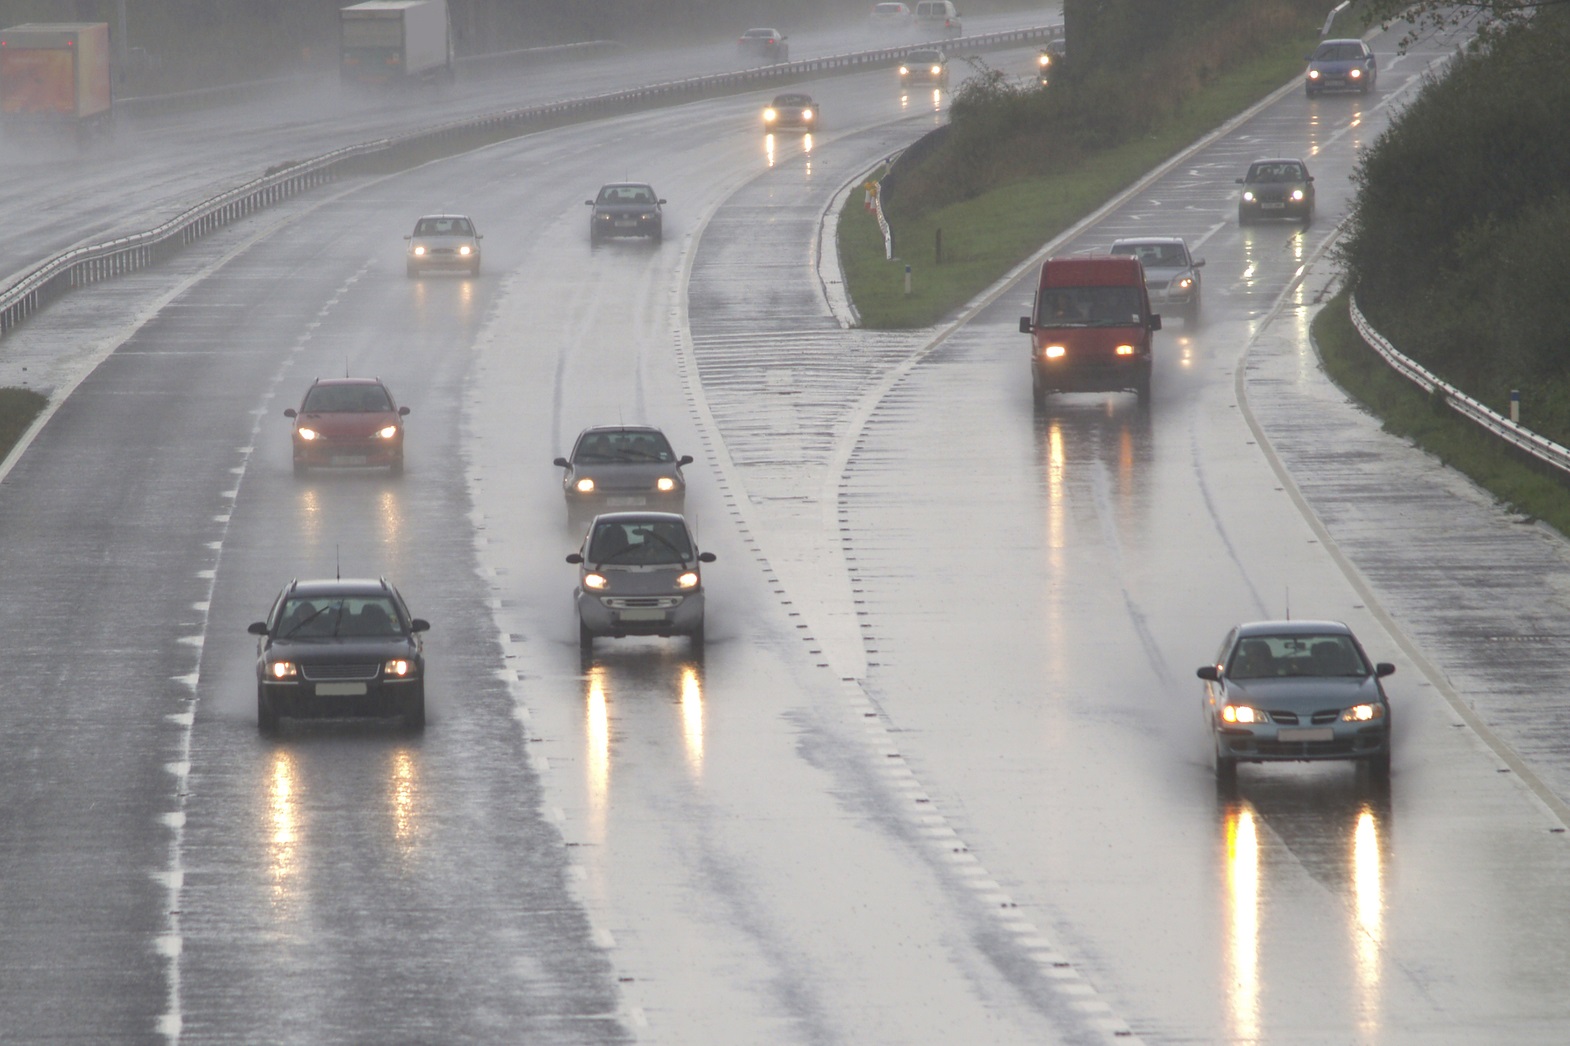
{"type": "Point", "coordinates": [1242, 885]}
{"type": "Point", "coordinates": [692, 718]}
{"type": "Point", "coordinates": [309, 524]}
{"type": "Point", "coordinates": [904, 100]}
{"type": "Point", "coordinates": [1057, 492]}
{"type": "Point", "coordinates": [283, 816]}
{"type": "Point", "coordinates": [768, 148]}
{"type": "Point", "coordinates": [597, 736]}
{"type": "Point", "coordinates": [806, 143]}
{"type": "Point", "coordinates": [937, 100]}
{"type": "Point", "coordinates": [403, 792]}
{"type": "Point", "coordinates": [392, 523]}
{"type": "Point", "coordinates": [1368, 900]}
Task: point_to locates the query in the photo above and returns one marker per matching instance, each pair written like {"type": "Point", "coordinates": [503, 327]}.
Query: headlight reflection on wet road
{"type": "Point", "coordinates": [1242, 930]}
{"type": "Point", "coordinates": [692, 719]}
{"type": "Point", "coordinates": [284, 818]}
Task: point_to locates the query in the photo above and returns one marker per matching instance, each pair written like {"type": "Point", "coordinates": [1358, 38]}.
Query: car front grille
{"type": "Point", "coordinates": [643, 602]}
{"type": "Point", "coordinates": [1320, 718]}
{"type": "Point", "coordinates": [316, 673]}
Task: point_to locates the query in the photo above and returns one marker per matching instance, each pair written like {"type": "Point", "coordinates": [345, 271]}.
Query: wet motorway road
{"type": "Point", "coordinates": [939, 777]}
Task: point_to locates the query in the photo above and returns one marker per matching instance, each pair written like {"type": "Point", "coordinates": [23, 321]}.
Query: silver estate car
{"type": "Point", "coordinates": [1171, 272]}
{"type": "Point", "coordinates": [621, 467]}
{"type": "Point", "coordinates": [1296, 691]}
{"type": "Point", "coordinates": [639, 574]}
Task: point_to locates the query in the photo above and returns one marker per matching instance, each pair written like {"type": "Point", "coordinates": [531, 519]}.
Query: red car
{"type": "Point", "coordinates": [348, 423]}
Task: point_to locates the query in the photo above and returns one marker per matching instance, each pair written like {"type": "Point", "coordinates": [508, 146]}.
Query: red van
{"type": "Point", "coordinates": [1091, 327]}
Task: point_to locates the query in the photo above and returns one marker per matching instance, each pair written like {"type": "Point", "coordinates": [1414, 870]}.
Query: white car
{"type": "Point", "coordinates": [443, 241]}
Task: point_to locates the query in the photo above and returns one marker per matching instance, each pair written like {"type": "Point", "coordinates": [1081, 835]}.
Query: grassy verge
{"type": "Point", "coordinates": [18, 409]}
{"type": "Point", "coordinates": [985, 237]}
{"type": "Point", "coordinates": [1410, 413]}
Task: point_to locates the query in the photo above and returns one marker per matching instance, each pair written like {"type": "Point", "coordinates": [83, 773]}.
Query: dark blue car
{"type": "Point", "coordinates": [1341, 65]}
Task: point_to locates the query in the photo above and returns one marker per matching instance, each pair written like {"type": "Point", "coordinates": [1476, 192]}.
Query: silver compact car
{"type": "Point", "coordinates": [1296, 691]}
{"type": "Point", "coordinates": [1171, 272]}
{"type": "Point", "coordinates": [619, 467]}
{"type": "Point", "coordinates": [795, 110]}
{"type": "Point", "coordinates": [639, 574]}
{"type": "Point", "coordinates": [443, 241]}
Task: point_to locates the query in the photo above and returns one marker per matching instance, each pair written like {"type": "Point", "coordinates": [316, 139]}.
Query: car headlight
{"type": "Point", "coordinates": [1243, 714]}
{"type": "Point", "coordinates": [305, 433]}
{"type": "Point", "coordinates": [904, 70]}
{"type": "Point", "coordinates": [1354, 74]}
{"type": "Point", "coordinates": [584, 486]}
{"type": "Point", "coordinates": [769, 115]}
{"type": "Point", "coordinates": [665, 484]}
{"type": "Point", "coordinates": [1297, 195]}
{"type": "Point", "coordinates": [1044, 60]}
{"type": "Point", "coordinates": [1363, 713]}
{"type": "Point", "coordinates": [936, 70]}
{"type": "Point", "coordinates": [398, 668]}
{"type": "Point", "coordinates": [387, 431]}
{"type": "Point", "coordinates": [283, 671]}
{"type": "Point", "coordinates": [466, 250]}
{"type": "Point", "coordinates": [1183, 283]}
{"type": "Point", "coordinates": [418, 250]}
{"type": "Point", "coordinates": [1313, 74]}
{"type": "Point", "coordinates": [688, 580]}
{"type": "Point", "coordinates": [1125, 350]}
{"type": "Point", "coordinates": [1053, 352]}
{"type": "Point", "coordinates": [1248, 196]}
{"type": "Point", "coordinates": [806, 114]}
{"type": "Point", "coordinates": [595, 581]}
{"type": "Point", "coordinates": [646, 216]}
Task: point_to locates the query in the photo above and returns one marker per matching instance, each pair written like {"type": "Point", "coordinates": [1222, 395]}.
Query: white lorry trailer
{"type": "Point", "coordinates": [390, 42]}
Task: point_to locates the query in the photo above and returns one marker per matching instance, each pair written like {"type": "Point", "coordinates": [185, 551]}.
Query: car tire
{"type": "Point", "coordinates": [1379, 765]}
{"type": "Point", "coordinates": [300, 468]}
{"type": "Point", "coordinates": [1225, 768]}
{"type": "Point", "coordinates": [1142, 388]}
{"type": "Point", "coordinates": [1310, 92]}
{"type": "Point", "coordinates": [1242, 216]}
{"type": "Point", "coordinates": [1038, 390]}
{"type": "Point", "coordinates": [585, 639]}
{"type": "Point", "coordinates": [396, 468]}
{"type": "Point", "coordinates": [266, 715]}
{"type": "Point", "coordinates": [474, 270]}
{"type": "Point", "coordinates": [411, 270]}
{"type": "Point", "coordinates": [1308, 217]}
{"type": "Point", "coordinates": [695, 637]}
{"type": "Point", "coordinates": [1191, 314]}
{"type": "Point", "coordinates": [414, 711]}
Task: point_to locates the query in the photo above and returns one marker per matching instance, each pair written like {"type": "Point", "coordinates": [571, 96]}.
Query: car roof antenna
{"type": "Point", "coordinates": [346, 366]}
{"type": "Point", "coordinates": [1289, 602]}
{"type": "Point", "coordinates": [337, 564]}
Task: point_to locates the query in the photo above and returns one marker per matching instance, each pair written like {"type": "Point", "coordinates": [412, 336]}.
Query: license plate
{"type": "Point", "coordinates": [340, 689]}
{"type": "Point", "coordinates": [643, 615]}
{"type": "Point", "coordinates": [348, 459]}
{"type": "Point", "coordinates": [626, 223]}
{"type": "Point", "coordinates": [616, 502]}
{"type": "Point", "coordinates": [1273, 206]}
{"type": "Point", "coordinates": [1305, 733]}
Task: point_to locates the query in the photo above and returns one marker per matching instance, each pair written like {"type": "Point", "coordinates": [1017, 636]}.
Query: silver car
{"type": "Point", "coordinates": [1171, 273]}
{"type": "Point", "coordinates": [639, 574]}
{"type": "Point", "coordinates": [443, 241]}
{"type": "Point", "coordinates": [620, 467]}
{"type": "Point", "coordinates": [1296, 691]}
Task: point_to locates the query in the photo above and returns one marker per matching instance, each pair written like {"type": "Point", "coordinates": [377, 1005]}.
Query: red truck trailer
{"type": "Point", "coordinates": [55, 75]}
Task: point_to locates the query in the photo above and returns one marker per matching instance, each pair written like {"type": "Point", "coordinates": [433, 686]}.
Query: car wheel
{"type": "Point", "coordinates": [300, 467]}
{"type": "Point", "coordinates": [411, 270]}
{"type": "Point", "coordinates": [1310, 91]}
{"type": "Point", "coordinates": [396, 468]}
{"type": "Point", "coordinates": [1038, 389]}
{"type": "Point", "coordinates": [658, 236]}
{"type": "Point", "coordinates": [696, 638]}
{"type": "Point", "coordinates": [1379, 765]}
{"type": "Point", "coordinates": [1191, 315]}
{"type": "Point", "coordinates": [474, 270]}
{"type": "Point", "coordinates": [1225, 767]}
{"type": "Point", "coordinates": [266, 715]}
{"type": "Point", "coordinates": [1308, 217]}
{"type": "Point", "coordinates": [414, 711]}
{"type": "Point", "coordinates": [1142, 388]}
{"type": "Point", "coordinates": [585, 639]}
{"type": "Point", "coordinates": [1242, 216]}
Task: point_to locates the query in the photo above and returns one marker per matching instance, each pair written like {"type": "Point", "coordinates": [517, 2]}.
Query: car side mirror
{"type": "Point", "coordinates": [1210, 673]}
{"type": "Point", "coordinates": [685, 459]}
{"type": "Point", "coordinates": [408, 237]}
{"type": "Point", "coordinates": [1024, 325]}
{"type": "Point", "coordinates": [662, 203]}
{"type": "Point", "coordinates": [257, 628]}
{"type": "Point", "coordinates": [479, 236]}
{"type": "Point", "coordinates": [1238, 180]}
{"type": "Point", "coordinates": [403, 412]}
{"type": "Point", "coordinates": [1199, 263]}
{"type": "Point", "coordinates": [419, 624]}
{"type": "Point", "coordinates": [575, 558]}
{"type": "Point", "coordinates": [588, 203]}
{"type": "Point", "coordinates": [289, 412]}
{"type": "Point", "coordinates": [1155, 321]}
{"type": "Point", "coordinates": [562, 463]}
{"type": "Point", "coordinates": [1311, 177]}
{"type": "Point", "coordinates": [1384, 668]}
{"type": "Point", "coordinates": [705, 557]}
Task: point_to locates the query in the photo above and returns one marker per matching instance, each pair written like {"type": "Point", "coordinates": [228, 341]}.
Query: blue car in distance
{"type": "Point", "coordinates": [1341, 65]}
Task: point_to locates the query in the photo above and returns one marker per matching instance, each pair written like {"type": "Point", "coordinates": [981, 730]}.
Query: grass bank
{"type": "Point", "coordinates": [1410, 413]}
{"type": "Point", "coordinates": [19, 408]}
{"type": "Point", "coordinates": [983, 238]}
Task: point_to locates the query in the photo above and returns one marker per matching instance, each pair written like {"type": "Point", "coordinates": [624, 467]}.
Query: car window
{"type": "Point", "coordinates": [1337, 52]}
{"type": "Point", "coordinates": [640, 543]}
{"type": "Point", "coordinates": [925, 56]}
{"type": "Point", "coordinates": [793, 99]}
{"type": "Point", "coordinates": [605, 448]}
{"type": "Point", "coordinates": [1089, 307]}
{"type": "Point", "coordinates": [1262, 657]}
{"type": "Point", "coordinates": [444, 227]}
{"type": "Point", "coordinates": [332, 399]}
{"type": "Point", "coordinates": [330, 617]}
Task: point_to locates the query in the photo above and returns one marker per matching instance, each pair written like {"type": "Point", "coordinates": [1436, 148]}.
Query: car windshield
{"type": "Point", "coordinates": [1272, 657]}
{"type": "Point", "coordinates": [336, 617]}
{"type": "Point", "coordinates": [1337, 52]}
{"type": "Point", "coordinates": [444, 227]}
{"type": "Point", "coordinates": [1089, 307]}
{"type": "Point", "coordinates": [346, 399]}
{"type": "Point", "coordinates": [889, 9]}
{"type": "Point", "coordinates": [793, 100]}
{"type": "Point", "coordinates": [1155, 255]}
{"type": "Point", "coordinates": [608, 448]}
{"type": "Point", "coordinates": [925, 56]}
{"type": "Point", "coordinates": [640, 542]}
{"type": "Point", "coordinates": [613, 194]}
{"type": "Point", "coordinates": [1276, 172]}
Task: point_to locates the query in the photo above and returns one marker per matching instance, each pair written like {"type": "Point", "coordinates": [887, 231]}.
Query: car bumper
{"type": "Point", "coordinates": [1283, 744]}
{"type": "Point", "coordinates": [342, 699]}
{"type": "Point", "coordinates": [1093, 376]}
{"type": "Point", "coordinates": [1276, 208]}
{"type": "Point", "coordinates": [644, 615]}
{"type": "Point", "coordinates": [444, 261]}
{"type": "Point", "coordinates": [624, 227]}
{"type": "Point", "coordinates": [583, 507]}
{"type": "Point", "coordinates": [320, 455]}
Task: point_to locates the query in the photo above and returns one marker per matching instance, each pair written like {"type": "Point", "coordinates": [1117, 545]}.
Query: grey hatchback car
{"type": "Point", "coordinates": [620, 467]}
{"type": "Point", "coordinates": [1295, 691]}
{"type": "Point", "coordinates": [1171, 272]}
{"type": "Point", "coordinates": [639, 574]}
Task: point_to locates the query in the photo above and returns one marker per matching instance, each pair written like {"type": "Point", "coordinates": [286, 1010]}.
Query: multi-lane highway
{"type": "Point", "coordinates": [939, 777]}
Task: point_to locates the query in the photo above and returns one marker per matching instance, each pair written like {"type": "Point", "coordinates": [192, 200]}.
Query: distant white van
{"type": "Point", "coordinates": [938, 16]}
